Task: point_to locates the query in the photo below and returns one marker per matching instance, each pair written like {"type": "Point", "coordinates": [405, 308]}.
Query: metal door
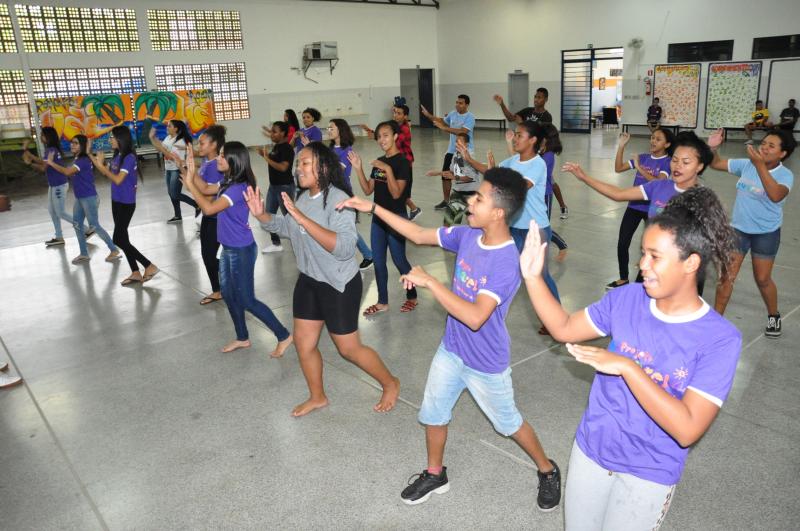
{"type": "Point", "coordinates": [518, 91]}
{"type": "Point", "coordinates": [576, 91]}
{"type": "Point", "coordinates": [409, 89]}
{"type": "Point", "coordinates": [425, 94]}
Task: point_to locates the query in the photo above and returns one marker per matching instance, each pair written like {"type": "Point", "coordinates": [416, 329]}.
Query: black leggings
{"type": "Point", "coordinates": [630, 222]}
{"type": "Point", "coordinates": [122, 214]}
{"type": "Point", "coordinates": [208, 249]}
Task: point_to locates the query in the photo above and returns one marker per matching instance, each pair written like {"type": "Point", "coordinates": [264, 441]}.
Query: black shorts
{"type": "Point", "coordinates": [448, 159]}
{"type": "Point", "coordinates": [319, 301]}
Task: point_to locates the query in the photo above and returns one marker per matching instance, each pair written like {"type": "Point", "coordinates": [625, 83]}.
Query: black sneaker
{"type": "Point", "coordinates": [54, 241]}
{"type": "Point", "coordinates": [426, 484]}
{"type": "Point", "coordinates": [564, 213]}
{"type": "Point", "coordinates": [773, 326]}
{"type": "Point", "coordinates": [365, 264]}
{"type": "Point", "coordinates": [174, 219]}
{"type": "Point", "coordinates": [615, 284]}
{"type": "Point", "coordinates": [414, 213]}
{"type": "Point", "coordinates": [440, 206]}
{"type": "Point", "coordinates": [549, 489]}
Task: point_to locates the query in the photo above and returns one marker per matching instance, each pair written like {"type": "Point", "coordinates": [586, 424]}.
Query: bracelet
{"type": "Point", "coordinates": [372, 210]}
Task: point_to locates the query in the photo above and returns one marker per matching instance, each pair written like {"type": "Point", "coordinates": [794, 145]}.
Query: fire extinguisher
{"type": "Point", "coordinates": [648, 86]}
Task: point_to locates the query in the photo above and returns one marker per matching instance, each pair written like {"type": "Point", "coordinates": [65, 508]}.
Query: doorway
{"type": "Point", "coordinates": [416, 86]}
{"type": "Point", "coordinates": [591, 86]}
{"type": "Point", "coordinates": [518, 90]}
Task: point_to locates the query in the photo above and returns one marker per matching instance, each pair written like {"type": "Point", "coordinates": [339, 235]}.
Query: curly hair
{"type": "Point", "coordinates": [691, 140]}
{"type": "Point", "coordinates": [700, 226]}
{"type": "Point", "coordinates": [329, 170]}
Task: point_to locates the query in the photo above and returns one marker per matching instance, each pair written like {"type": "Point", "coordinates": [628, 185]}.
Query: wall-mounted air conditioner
{"type": "Point", "coordinates": [321, 50]}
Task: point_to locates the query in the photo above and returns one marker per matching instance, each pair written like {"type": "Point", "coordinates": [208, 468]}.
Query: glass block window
{"type": "Point", "coordinates": [14, 108]}
{"type": "Point", "coordinates": [77, 29]}
{"type": "Point", "coordinates": [63, 82]}
{"type": "Point", "coordinates": [7, 42]}
{"type": "Point", "coordinates": [228, 81]}
{"type": "Point", "coordinates": [194, 30]}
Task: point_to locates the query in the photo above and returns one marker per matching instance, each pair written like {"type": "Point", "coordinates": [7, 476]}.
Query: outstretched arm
{"type": "Point", "coordinates": [510, 116]}
{"type": "Point", "coordinates": [633, 193]}
{"type": "Point", "coordinates": [714, 142]}
{"type": "Point", "coordinates": [407, 229]}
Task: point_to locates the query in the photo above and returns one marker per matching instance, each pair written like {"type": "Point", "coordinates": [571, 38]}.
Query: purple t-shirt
{"type": "Point", "coordinates": [233, 229]}
{"type": "Point", "coordinates": [488, 270]}
{"type": "Point", "coordinates": [347, 168]}
{"type": "Point", "coordinates": [550, 161]}
{"type": "Point", "coordinates": [210, 174]}
{"type": "Point", "coordinates": [124, 192]}
{"type": "Point", "coordinates": [313, 134]}
{"type": "Point", "coordinates": [697, 351]}
{"type": "Point", "coordinates": [83, 181]}
{"type": "Point", "coordinates": [54, 177]}
{"type": "Point", "coordinates": [658, 193]}
{"type": "Point", "coordinates": [655, 166]}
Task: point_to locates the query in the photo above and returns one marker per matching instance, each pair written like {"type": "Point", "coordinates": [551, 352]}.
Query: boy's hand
{"type": "Point", "coordinates": [498, 99]}
{"type": "Point", "coordinates": [356, 203]}
{"type": "Point", "coordinates": [624, 138]}
{"type": "Point", "coordinates": [417, 277]}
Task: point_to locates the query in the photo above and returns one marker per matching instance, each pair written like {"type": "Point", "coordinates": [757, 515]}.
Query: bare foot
{"type": "Point", "coordinates": [389, 397]}
{"type": "Point", "coordinates": [235, 345]}
{"type": "Point", "coordinates": [281, 347]}
{"type": "Point", "coordinates": [309, 405]}
{"type": "Point", "coordinates": [562, 255]}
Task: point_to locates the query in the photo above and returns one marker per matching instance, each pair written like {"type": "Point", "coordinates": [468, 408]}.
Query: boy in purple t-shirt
{"type": "Point", "coordinates": [661, 380]}
{"type": "Point", "coordinates": [475, 351]}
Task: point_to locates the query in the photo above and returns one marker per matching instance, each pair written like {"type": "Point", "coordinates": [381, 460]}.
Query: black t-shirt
{"type": "Point", "coordinates": [281, 153]}
{"type": "Point", "coordinates": [530, 113]}
{"type": "Point", "coordinates": [402, 172]}
{"type": "Point", "coordinates": [790, 112]}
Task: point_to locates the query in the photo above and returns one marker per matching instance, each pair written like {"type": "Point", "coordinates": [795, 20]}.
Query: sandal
{"type": "Point", "coordinates": [375, 309]}
{"type": "Point", "coordinates": [409, 306]}
{"type": "Point", "coordinates": [130, 280]}
{"type": "Point", "coordinates": [149, 276]}
{"type": "Point", "coordinates": [208, 299]}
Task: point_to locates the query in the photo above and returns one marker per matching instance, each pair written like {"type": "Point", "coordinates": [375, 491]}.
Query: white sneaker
{"type": "Point", "coordinates": [8, 381]}
{"type": "Point", "coordinates": [4, 366]}
{"type": "Point", "coordinates": [272, 248]}
{"type": "Point", "coordinates": [81, 258]}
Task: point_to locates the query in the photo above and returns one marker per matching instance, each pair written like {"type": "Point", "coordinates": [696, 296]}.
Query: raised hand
{"type": "Point", "coordinates": [490, 159]}
{"type": "Point", "coordinates": [356, 203]}
{"type": "Point", "coordinates": [254, 201]}
{"type": "Point", "coordinates": [531, 260]}
{"type": "Point", "coordinates": [498, 99]}
{"type": "Point", "coordinates": [355, 159]}
{"type": "Point", "coordinates": [715, 138]}
{"type": "Point", "coordinates": [191, 167]}
{"type": "Point", "coordinates": [598, 358]}
{"type": "Point", "coordinates": [291, 208]}
{"type": "Point", "coordinates": [509, 136]}
{"type": "Point", "coordinates": [99, 159]}
{"type": "Point", "coordinates": [624, 138]}
{"type": "Point", "coordinates": [266, 131]}
{"type": "Point", "coordinates": [755, 155]}
{"type": "Point", "coordinates": [417, 277]}
{"type": "Point", "coordinates": [425, 112]}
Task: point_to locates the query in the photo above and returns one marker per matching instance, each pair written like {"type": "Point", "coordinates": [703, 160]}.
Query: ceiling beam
{"type": "Point", "coordinates": [416, 3]}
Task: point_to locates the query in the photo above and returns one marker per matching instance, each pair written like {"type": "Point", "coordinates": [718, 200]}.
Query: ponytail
{"type": "Point", "coordinates": [700, 226]}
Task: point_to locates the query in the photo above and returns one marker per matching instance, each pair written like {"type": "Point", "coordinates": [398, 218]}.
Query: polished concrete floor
{"type": "Point", "coordinates": [131, 418]}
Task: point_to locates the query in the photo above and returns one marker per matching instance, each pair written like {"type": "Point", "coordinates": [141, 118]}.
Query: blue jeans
{"type": "Point", "coordinates": [274, 201]}
{"type": "Point", "coordinates": [363, 248]}
{"type": "Point", "coordinates": [174, 187]}
{"type": "Point", "coordinates": [236, 265]}
{"type": "Point", "coordinates": [447, 378]}
{"type": "Point", "coordinates": [382, 237]}
{"type": "Point", "coordinates": [545, 234]}
{"type": "Point", "coordinates": [86, 207]}
{"type": "Point", "coordinates": [56, 200]}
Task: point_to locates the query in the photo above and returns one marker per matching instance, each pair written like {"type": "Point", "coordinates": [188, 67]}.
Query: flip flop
{"type": "Point", "coordinates": [145, 278]}
{"type": "Point", "coordinates": [374, 310]}
{"type": "Point", "coordinates": [208, 299]}
{"type": "Point", "coordinates": [408, 306]}
{"type": "Point", "coordinates": [128, 281]}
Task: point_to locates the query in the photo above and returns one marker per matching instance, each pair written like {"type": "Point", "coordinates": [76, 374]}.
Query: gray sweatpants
{"type": "Point", "coordinates": [598, 499]}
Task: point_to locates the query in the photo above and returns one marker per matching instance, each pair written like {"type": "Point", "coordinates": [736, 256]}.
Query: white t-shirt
{"type": "Point", "coordinates": [176, 148]}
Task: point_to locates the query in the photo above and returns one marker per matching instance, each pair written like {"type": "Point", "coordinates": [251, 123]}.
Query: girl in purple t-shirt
{"type": "Point", "coordinates": [123, 173]}
{"type": "Point", "coordinates": [662, 379]}
{"type": "Point", "coordinates": [309, 132]}
{"type": "Point", "coordinates": [342, 140]}
{"type": "Point", "coordinates": [239, 250]}
{"type": "Point", "coordinates": [57, 183]}
{"type": "Point", "coordinates": [689, 160]}
{"type": "Point", "coordinates": [82, 173]}
{"type": "Point", "coordinates": [649, 167]}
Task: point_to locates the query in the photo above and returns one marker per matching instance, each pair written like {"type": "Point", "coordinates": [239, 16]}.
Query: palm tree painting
{"type": "Point", "coordinates": [156, 105]}
{"type": "Point", "coordinates": [105, 105]}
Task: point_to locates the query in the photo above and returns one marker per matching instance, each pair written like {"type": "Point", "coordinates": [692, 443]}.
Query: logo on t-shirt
{"type": "Point", "coordinates": [467, 286]}
{"type": "Point", "coordinates": [749, 187]}
{"type": "Point", "coordinates": [675, 380]}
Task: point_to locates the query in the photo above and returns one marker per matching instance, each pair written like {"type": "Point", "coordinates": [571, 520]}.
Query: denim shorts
{"type": "Point", "coordinates": [761, 245]}
{"type": "Point", "coordinates": [447, 378]}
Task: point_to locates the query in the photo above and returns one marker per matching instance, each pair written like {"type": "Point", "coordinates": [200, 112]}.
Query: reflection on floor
{"type": "Point", "coordinates": [131, 418]}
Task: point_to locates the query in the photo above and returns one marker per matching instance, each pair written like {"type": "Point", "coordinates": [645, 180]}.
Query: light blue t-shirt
{"type": "Point", "coordinates": [457, 121]}
{"type": "Point", "coordinates": [753, 211]}
{"type": "Point", "coordinates": [534, 170]}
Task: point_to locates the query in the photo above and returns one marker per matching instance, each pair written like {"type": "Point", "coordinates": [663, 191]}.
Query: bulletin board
{"type": "Point", "coordinates": [677, 86]}
{"type": "Point", "coordinates": [731, 93]}
{"type": "Point", "coordinates": [782, 86]}
{"type": "Point", "coordinates": [94, 116]}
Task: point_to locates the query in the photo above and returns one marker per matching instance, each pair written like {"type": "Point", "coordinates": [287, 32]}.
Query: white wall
{"type": "Point", "coordinates": [374, 43]}
{"type": "Point", "coordinates": [494, 38]}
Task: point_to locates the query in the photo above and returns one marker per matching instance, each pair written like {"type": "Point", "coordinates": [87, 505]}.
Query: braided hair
{"type": "Point", "coordinates": [329, 170]}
